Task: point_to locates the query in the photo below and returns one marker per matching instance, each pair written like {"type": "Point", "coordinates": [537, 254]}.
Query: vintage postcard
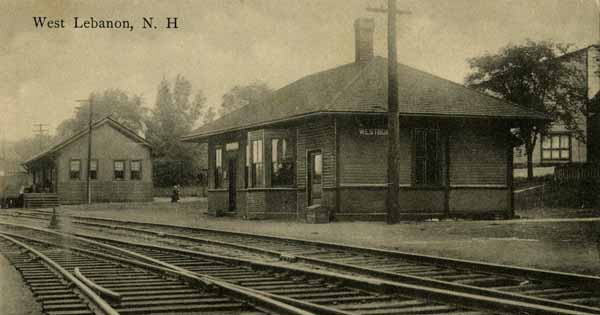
{"type": "Point", "coordinates": [300, 157]}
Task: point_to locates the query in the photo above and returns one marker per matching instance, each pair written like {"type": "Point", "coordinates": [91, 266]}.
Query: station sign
{"type": "Point", "coordinates": [372, 131]}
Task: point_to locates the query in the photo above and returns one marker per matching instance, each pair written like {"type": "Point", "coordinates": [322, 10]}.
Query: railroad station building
{"type": "Point", "coordinates": [322, 140]}
{"type": "Point", "coordinates": [121, 167]}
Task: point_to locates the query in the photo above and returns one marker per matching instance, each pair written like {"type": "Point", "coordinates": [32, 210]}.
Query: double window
{"type": "Point", "coordinates": [75, 169]}
{"type": "Point", "coordinates": [556, 147]}
{"type": "Point", "coordinates": [428, 164]}
{"type": "Point", "coordinates": [119, 170]}
{"type": "Point", "coordinates": [136, 170]}
{"type": "Point", "coordinates": [257, 164]}
{"type": "Point", "coordinates": [282, 164]}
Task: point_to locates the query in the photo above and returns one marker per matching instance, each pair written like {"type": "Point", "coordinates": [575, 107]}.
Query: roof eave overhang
{"type": "Point", "coordinates": [202, 137]}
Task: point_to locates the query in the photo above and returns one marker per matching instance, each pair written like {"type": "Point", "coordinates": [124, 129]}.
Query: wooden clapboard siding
{"type": "Point", "coordinates": [108, 144]}
{"type": "Point", "coordinates": [478, 156]}
{"type": "Point", "coordinates": [316, 135]}
{"type": "Point", "coordinates": [363, 159]}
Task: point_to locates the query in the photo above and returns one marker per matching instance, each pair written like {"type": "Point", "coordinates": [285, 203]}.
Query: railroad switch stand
{"type": "Point", "coordinates": [54, 222]}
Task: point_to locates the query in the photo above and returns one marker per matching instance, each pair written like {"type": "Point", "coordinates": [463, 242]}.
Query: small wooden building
{"type": "Point", "coordinates": [322, 140]}
{"type": "Point", "coordinates": [121, 166]}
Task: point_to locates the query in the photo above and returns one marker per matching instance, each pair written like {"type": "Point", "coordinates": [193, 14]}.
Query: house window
{"type": "Point", "coordinates": [428, 166]}
{"type": "Point", "coordinates": [75, 169]}
{"type": "Point", "coordinates": [218, 168]}
{"type": "Point", "coordinates": [93, 169]}
{"type": "Point", "coordinates": [257, 164]}
{"type": "Point", "coordinates": [556, 147]}
{"type": "Point", "coordinates": [247, 169]}
{"type": "Point", "coordinates": [119, 167]}
{"type": "Point", "coordinates": [136, 170]}
{"type": "Point", "coordinates": [282, 164]}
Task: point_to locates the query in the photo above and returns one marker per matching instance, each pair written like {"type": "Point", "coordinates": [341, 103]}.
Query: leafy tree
{"type": "Point", "coordinates": [174, 115]}
{"type": "Point", "coordinates": [28, 147]}
{"type": "Point", "coordinates": [533, 75]}
{"type": "Point", "coordinates": [209, 116]}
{"type": "Point", "coordinates": [125, 109]}
{"type": "Point", "coordinates": [240, 96]}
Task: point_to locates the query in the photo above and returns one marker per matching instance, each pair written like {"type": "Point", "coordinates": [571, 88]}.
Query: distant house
{"type": "Point", "coordinates": [323, 140]}
{"type": "Point", "coordinates": [120, 168]}
{"type": "Point", "coordinates": [12, 179]}
{"type": "Point", "coordinates": [559, 145]}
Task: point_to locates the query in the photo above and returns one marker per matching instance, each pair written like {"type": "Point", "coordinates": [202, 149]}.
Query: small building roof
{"type": "Point", "coordinates": [103, 121]}
{"type": "Point", "coordinates": [362, 88]}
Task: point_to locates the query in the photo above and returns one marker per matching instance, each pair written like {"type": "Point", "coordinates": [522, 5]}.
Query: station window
{"type": "Point", "coordinates": [93, 169]}
{"type": "Point", "coordinates": [218, 168]}
{"type": "Point", "coordinates": [136, 170]}
{"type": "Point", "coordinates": [119, 170]}
{"type": "Point", "coordinates": [257, 164]}
{"type": "Point", "coordinates": [247, 170]}
{"type": "Point", "coordinates": [428, 165]}
{"type": "Point", "coordinates": [556, 147]}
{"type": "Point", "coordinates": [282, 164]}
{"type": "Point", "coordinates": [75, 169]}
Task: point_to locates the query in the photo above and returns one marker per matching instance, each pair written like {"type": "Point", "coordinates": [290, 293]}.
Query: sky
{"type": "Point", "coordinates": [222, 43]}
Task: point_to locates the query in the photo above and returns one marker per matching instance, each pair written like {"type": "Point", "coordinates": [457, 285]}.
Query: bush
{"type": "Point", "coordinates": [177, 172]}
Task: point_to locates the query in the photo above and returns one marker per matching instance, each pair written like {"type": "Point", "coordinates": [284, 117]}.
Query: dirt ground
{"type": "Point", "coordinates": [15, 297]}
{"type": "Point", "coordinates": [558, 239]}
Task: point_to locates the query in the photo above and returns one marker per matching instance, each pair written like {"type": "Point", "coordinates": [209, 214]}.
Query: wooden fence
{"type": "Point", "coordinates": [577, 172]}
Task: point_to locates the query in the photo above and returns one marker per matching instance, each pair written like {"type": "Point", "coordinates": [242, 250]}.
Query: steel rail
{"type": "Point", "coordinates": [589, 282]}
{"type": "Point", "coordinates": [85, 290]}
{"type": "Point", "coordinates": [460, 298]}
{"type": "Point", "coordinates": [581, 281]}
{"type": "Point", "coordinates": [418, 289]}
{"type": "Point", "coordinates": [260, 300]}
{"type": "Point", "coordinates": [404, 278]}
{"type": "Point", "coordinates": [267, 301]}
{"type": "Point", "coordinates": [102, 291]}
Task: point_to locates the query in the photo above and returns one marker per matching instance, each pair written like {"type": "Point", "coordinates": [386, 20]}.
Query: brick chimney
{"type": "Point", "coordinates": [363, 30]}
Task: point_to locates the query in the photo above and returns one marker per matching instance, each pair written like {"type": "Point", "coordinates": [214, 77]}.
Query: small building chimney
{"type": "Point", "coordinates": [363, 30]}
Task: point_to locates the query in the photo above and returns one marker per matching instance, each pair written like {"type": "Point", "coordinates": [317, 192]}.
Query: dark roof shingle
{"type": "Point", "coordinates": [362, 88]}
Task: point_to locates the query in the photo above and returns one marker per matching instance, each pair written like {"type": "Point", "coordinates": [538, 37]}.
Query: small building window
{"type": "Point", "coordinates": [93, 169]}
{"type": "Point", "coordinates": [427, 166]}
{"type": "Point", "coordinates": [75, 169]}
{"type": "Point", "coordinates": [218, 168]}
{"type": "Point", "coordinates": [119, 167]}
{"type": "Point", "coordinates": [136, 170]}
{"type": "Point", "coordinates": [247, 170]}
{"type": "Point", "coordinates": [282, 164]}
{"type": "Point", "coordinates": [556, 147]}
{"type": "Point", "coordinates": [257, 164]}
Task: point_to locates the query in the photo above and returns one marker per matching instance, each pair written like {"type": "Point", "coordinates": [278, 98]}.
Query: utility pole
{"type": "Point", "coordinates": [40, 130]}
{"type": "Point", "coordinates": [90, 103]}
{"type": "Point", "coordinates": [393, 192]}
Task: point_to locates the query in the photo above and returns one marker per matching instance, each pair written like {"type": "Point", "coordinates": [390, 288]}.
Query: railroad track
{"type": "Point", "coordinates": [318, 293]}
{"type": "Point", "coordinates": [553, 289]}
{"type": "Point", "coordinates": [67, 280]}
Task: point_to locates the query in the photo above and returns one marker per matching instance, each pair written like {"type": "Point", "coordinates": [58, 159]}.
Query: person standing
{"type": "Point", "coordinates": [175, 195]}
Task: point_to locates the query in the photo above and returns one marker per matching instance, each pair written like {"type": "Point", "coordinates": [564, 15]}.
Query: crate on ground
{"type": "Point", "coordinates": [317, 214]}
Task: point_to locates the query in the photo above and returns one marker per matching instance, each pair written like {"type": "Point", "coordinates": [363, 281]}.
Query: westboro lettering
{"type": "Point", "coordinates": [372, 132]}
